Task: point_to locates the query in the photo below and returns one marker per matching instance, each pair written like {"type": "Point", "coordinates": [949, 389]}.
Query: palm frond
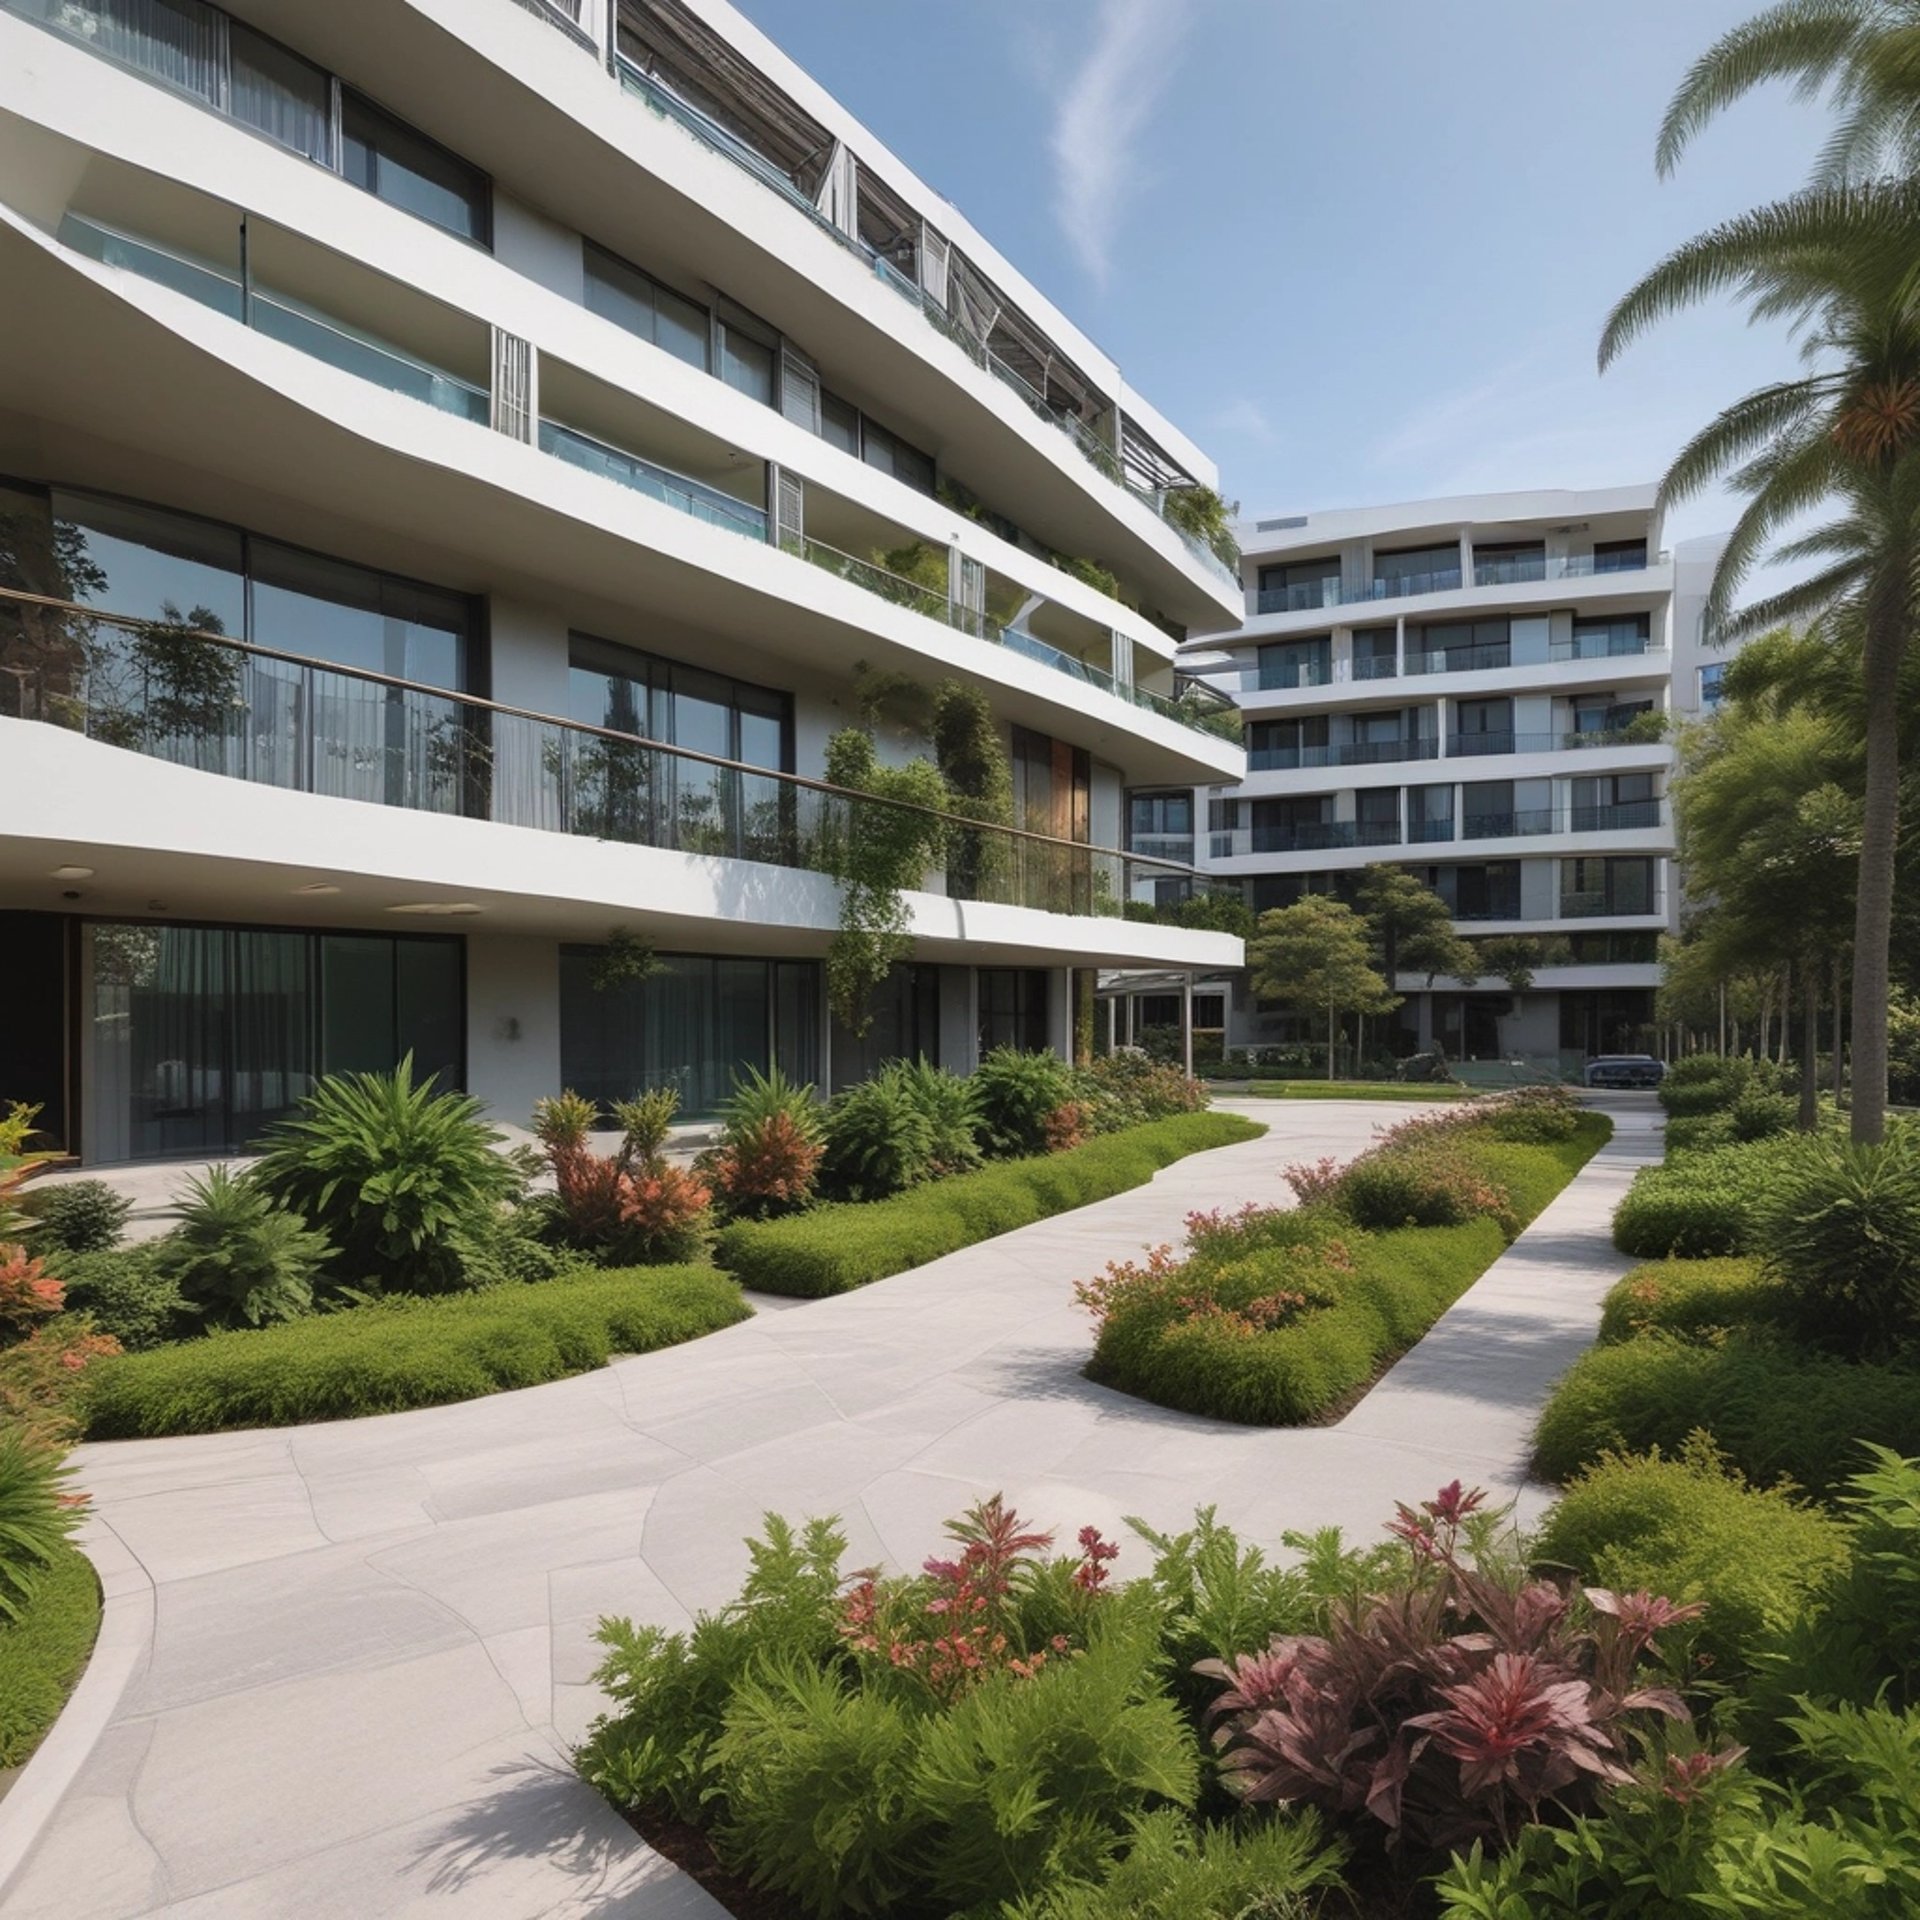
{"type": "Point", "coordinates": [1750, 423]}
{"type": "Point", "coordinates": [1805, 600]}
{"type": "Point", "coordinates": [1804, 41]}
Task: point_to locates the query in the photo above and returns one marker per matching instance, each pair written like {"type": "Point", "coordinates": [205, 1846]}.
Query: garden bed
{"type": "Point", "coordinates": [1285, 1318]}
{"type": "Point", "coordinates": [835, 1248]}
{"type": "Point", "coordinates": [43, 1654]}
{"type": "Point", "coordinates": [405, 1353]}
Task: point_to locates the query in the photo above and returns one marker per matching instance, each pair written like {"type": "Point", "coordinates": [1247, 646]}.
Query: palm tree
{"type": "Point", "coordinates": [1842, 264]}
{"type": "Point", "coordinates": [1867, 51]}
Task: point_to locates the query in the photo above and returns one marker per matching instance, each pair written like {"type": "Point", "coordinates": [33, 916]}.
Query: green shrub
{"type": "Point", "coordinates": [80, 1216]}
{"type": "Point", "coordinates": [948, 1105]}
{"type": "Point", "coordinates": [517, 1246]}
{"type": "Point", "coordinates": [1759, 1115]}
{"type": "Point", "coordinates": [1774, 1410]}
{"type": "Point", "coordinates": [125, 1295]}
{"type": "Point", "coordinates": [879, 1139]}
{"type": "Point", "coordinates": [1016, 1094]}
{"type": "Point", "coordinates": [1840, 1225]}
{"type": "Point", "coordinates": [1272, 1869]}
{"type": "Point", "coordinates": [238, 1257]}
{"type": "Point", "coordinates": [1692, 1298]}
{"type": "Point", "coordinates": [402, 1353]}
{"type": "Point", "coordinates": [1281, 1318]}
{"type": "Point", "coordinates": [1701, 1205]}
{"type": "Point", "coordinates": [834, 1249]}
{"type": "Point", "coordinates": [1706, 1083]}
{"type": "Point", "coordinates": [1692, 1133]}
{"type": "Point", "coordinates": [1129, 1090]}
{"type": "Point", "coordinates": [1858, 1638]}
{"type": "Point", "coordinates": [1690, 1528]}
{"type": "Point", "coordinates": [43, 1653]}
{"type": "Point", "coordinates": [1535, 1116]}
{"type": "Point", "coordinates": [34, 1525]}
{"type": "Point", "coordinates": [388, 1171]}
{"type": "Point", "coordinates": [1434, 1184]}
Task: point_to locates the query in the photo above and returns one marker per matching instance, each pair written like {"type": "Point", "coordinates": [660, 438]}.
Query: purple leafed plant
{"type": "Point", "coordinates": [1454, 1708]}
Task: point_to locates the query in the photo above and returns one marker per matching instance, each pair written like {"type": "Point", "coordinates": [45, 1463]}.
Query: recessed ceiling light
{"type": "Point", "coordinates": [73, 873]}
{"type": "Point", "coordinates": [317, 886]}
{"type": "Point", "coordinates": [443, 907]}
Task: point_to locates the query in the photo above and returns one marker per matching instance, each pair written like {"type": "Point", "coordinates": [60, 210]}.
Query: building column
{"type": "Point", "coordinates": [1186, 1022]}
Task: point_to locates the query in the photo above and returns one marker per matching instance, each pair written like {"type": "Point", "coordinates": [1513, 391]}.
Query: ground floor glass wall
{"type": "Point", "coordinates": [198, 1037]}
{"type": "Point", "coordinates": [692, 1024]}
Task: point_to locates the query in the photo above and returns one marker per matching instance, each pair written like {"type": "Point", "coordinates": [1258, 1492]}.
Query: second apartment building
{"type": "Point", "coordinates": [1483, 691]}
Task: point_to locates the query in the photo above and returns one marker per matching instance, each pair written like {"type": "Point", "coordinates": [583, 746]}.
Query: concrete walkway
{"type": "Point", "coordinates": [343, 1664]}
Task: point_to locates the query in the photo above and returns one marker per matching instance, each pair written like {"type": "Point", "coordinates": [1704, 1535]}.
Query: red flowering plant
{"type": "Point", "coordinates": [1067, 1126]}
{"type": "Point", "coordinates": [771, 1144]}
{"type": "Point", "coordinates": [1458, 1706]}
{"type": "Point", "coordinates": [42, 1376]}
{"type": "Point", "coordinates": [633, 1207]}
{"type": "Point", "coordinates": [29, 1294]}
{"type": "Point", "coordinates": [984, 1611]}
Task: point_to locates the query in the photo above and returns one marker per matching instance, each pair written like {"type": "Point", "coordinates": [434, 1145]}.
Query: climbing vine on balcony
{"type": "Point", "coordinates": [1201, 512]}
{"type": "Point", "coordinates": [878, 852]}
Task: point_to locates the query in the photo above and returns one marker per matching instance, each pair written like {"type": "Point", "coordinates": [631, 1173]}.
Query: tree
{"type": "Point", "coordinates": [1866, 51]}
{"type": "Point", "coordinates": [1412, 926]}
{"type": "Point", "coordinates": [1838, 262]}
{"type": "Point", "coordinates": [1316, 953]}
{"type": "Point", "coordinates": [1769, 834]}
{"type": "Point", "coordinates": [1512, 957]}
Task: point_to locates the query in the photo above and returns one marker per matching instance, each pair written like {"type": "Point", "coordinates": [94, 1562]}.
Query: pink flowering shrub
{"type": "Point", "coordinates": [28, 1293]}
{"type": "Point", "coordinates": [631, 1207]}
{"type": "Point", "coordinates": [1456, 1707]}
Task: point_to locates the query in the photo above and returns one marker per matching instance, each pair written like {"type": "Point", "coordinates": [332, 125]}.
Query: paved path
{"type": "Point", "coordinates": [343, 1664]}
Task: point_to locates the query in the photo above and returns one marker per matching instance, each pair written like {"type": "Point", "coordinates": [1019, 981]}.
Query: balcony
{"type": "Point", "coordinates": [1527, 569]}
{"type": "Point", "coordinates": [1461, 660]}
{"type": "Point", "coordinates": [292, 323]}
{"type": "Point", "coordinates": [1466, 746]}
{"type": "Point", "coordinates": [255, 714]}
{"type": "Point", "coordinates": [1602, 646]}
{"type": "Point", "coordinates": [1596, 905]}
{"type": "Point", "coordinates": [1381, 667]}
{"type": "Point", "coordinates": [1402, 586]}
{"type": "Point", "coordinates": [1629, 816]}
{"type": "Point", "coordinates": [1302, 596]}
{"type": "Point", "coordinates": [1349, 753]}
{"type": "Point", "coordinates": [660, 483]}
{"type": "Point", "coordinates": [1324, 836]}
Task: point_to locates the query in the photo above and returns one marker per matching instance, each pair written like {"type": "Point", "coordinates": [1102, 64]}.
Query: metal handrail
{"type": "Point", "coordinates": [475, 703]}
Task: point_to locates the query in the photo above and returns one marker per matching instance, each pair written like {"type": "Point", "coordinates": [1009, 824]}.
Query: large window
{"type": "Point", "coordinates": [639, 303]}
{"type": "Point", "coordinates": [1013, 1009]}
{"type": "Point", "coordinates": [665, 800]}
{"type": "Point", "coordinates": [226, 65]}
{"type": "Point", "coordinates": [1621, 883]}
{"type": "Point", "coordinates": [198, 1037]}
{"type": "Point", "coordinates": [1297, 663]}
{"type": "Point", "coordinates": [1417, 570]}
{"type": "Point", "coordinates": [694, 1024]}
{"type": "Point", "coordinates": [1462, 646]}
{"type": "Point", "coordinates": [904, 1024]}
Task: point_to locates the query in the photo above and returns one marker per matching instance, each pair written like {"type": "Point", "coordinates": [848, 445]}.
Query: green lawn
{"type": "Point", "coordinates": [42, 1654]}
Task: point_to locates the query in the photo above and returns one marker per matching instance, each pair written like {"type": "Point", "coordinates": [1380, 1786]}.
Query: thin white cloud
{"type": "Point", "coordinates": [1103, 112]}
{"type": "Point", "coordinates": [1245, 419]}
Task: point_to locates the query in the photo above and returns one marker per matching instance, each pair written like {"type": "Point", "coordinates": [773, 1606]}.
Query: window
{"type": "Point", "coordinates": [1713, 680]}
{"type": "Point", "coordinates": [1486, 722]}
{"type": "Point", "coordinates": [1209, 1011]}
{"type": "Point", "coordinates": [1285, 744]}
{"type": "Point", "coordinates": [1610, 884]}
{"type": "Point", "coordinates": [390, 160]}
{"type": "Point", "coordinates": [639, 303]}
{"type": "Point", "coordinates": [840, 423]}
{"type": "Point", "coordinates": [1013, 1009]}
{"type": "Point", "coordinates": [262, 85]}
{"type": "Point", "coordinates": [1300, 573]}
{"type": "Point", "coordinates": [201, 1036]}
{"type": "Point", "coordinates": [1160, 815]}
{"type": "Point", "coordinates": [1374, 651]}
{"type": "Point", "coordinates": [746, 363]}
{"type": "Point", "coordinates": [1297, 663]}
{"type": "Point", "coordinates": [1463, 646]}
{"type": "Point", "coordinates": [1619, 556]}
{"type": "Point", "coordinates": [905, 1025]}
{"type": "Point", "coordinates": [1604, 639]}
{"type": "Point", "coordinates": [891, 454]}
{"type": "Point", "coordinates": [1508, 562]}
{"type": "Point", "coordinates": [692, 1025]}
{"type": "Point", "coordinates": [1418, 569]}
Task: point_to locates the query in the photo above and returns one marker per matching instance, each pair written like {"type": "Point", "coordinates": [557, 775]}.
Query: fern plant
{"type": "Point", "coordinates": [879, 1139]}
{"type": "Point", "coordinates": [948, 1105]}
{"type": "Point", "coordinates": [1017, 1094]}
{"type": "Point", "coordinates": [238, 1257]}
{"type": "Point", "coordinates": [390, 1171]}
{"type": "Point", "coordinates": [35, 1517]}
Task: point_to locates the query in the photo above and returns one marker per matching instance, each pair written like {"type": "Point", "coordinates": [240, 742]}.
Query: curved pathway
{"type": "Point", "coordinates": [342, 1664]}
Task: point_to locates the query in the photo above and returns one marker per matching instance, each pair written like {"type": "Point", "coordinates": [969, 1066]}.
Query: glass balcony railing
{"type": "Point", "coordinates": [357, 354]}
{"type": "Point", "coordinates": [1510, 570]}
{"type": "Point", "coordinates": [291, 323]}
{"type": "Point", "coordinates": [1400, 586]}
{"type": "Point", "coordinates": [1425, 832]}
{"type": "Point", "coordinates": [1599, 904]}
{"type": "Point", "coordinates": [1460, 660]}
{"type": "Point", "coordinates": [672, 489]}
{"type": "Point", "coordinates": [1376, 667]}
{"type": "Point", "coordinates": [1614, 644]}
{"type": "Point", "coordinates": [1325, 836]}
{"type": "Point", "coordinates": [1466, 746]}
{"type": "Point", "coordinates": [1301, 597]}
{"type": "Point", "coordinates": [277, 719]}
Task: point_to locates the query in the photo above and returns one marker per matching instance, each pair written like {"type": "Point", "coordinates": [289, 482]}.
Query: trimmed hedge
{"type": "Point", "coordinates": [1701, 1205]}
{"type": "Point", "coordinates": [403, 1353]}
{"type": "Point", "coordinates": [1774, 1410]}
{"type": "Point", "coordinates": [1688, 1528]}
{"type": "Point", "coordinates": [43, 1653]}
{"type": "Point", "coordinates": [1400, 1283]}
{"type": "Point", "coordinates": [834, 1249]}
{"type": "Point", "coordinates": [1689, 1297]}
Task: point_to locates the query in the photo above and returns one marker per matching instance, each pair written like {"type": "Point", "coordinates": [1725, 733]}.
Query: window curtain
{"type": "Point", "coordinates": [277, 93]}
{"type": "Point", "coordinates": [178, 41]}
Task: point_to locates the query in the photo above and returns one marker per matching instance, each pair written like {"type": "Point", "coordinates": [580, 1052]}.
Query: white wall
{"type": "Point", "coordinates": [513, 1022]}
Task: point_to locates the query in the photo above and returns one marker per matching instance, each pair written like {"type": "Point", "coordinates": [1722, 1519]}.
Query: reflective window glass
{"type": "Point", "coordinates": [150, 564]}
{"type": "Point", "coordinates": [388, 158]}
{"type": "Point", "coordinates": [277, 93]}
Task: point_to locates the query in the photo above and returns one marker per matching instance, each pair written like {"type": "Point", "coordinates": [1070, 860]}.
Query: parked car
{"type": "Point", "coordinates": [1625, 1070]}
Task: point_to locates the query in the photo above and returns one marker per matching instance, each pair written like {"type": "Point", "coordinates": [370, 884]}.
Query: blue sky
{"type": "Point", "coordinates": [1359, 249]}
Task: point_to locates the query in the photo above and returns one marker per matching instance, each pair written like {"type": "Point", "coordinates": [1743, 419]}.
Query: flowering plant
{"type": "Point", "coordinates": [1455, 1707]}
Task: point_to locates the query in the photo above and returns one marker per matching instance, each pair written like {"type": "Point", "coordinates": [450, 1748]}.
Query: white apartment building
{"type": "Point", "coordinates": [1481, 690]}
{"type": "Point", "coordinates": [454, 455]}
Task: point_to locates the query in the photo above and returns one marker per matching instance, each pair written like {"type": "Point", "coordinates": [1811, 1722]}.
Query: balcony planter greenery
{"type": "Point", "coordinates": [1200, 512]}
